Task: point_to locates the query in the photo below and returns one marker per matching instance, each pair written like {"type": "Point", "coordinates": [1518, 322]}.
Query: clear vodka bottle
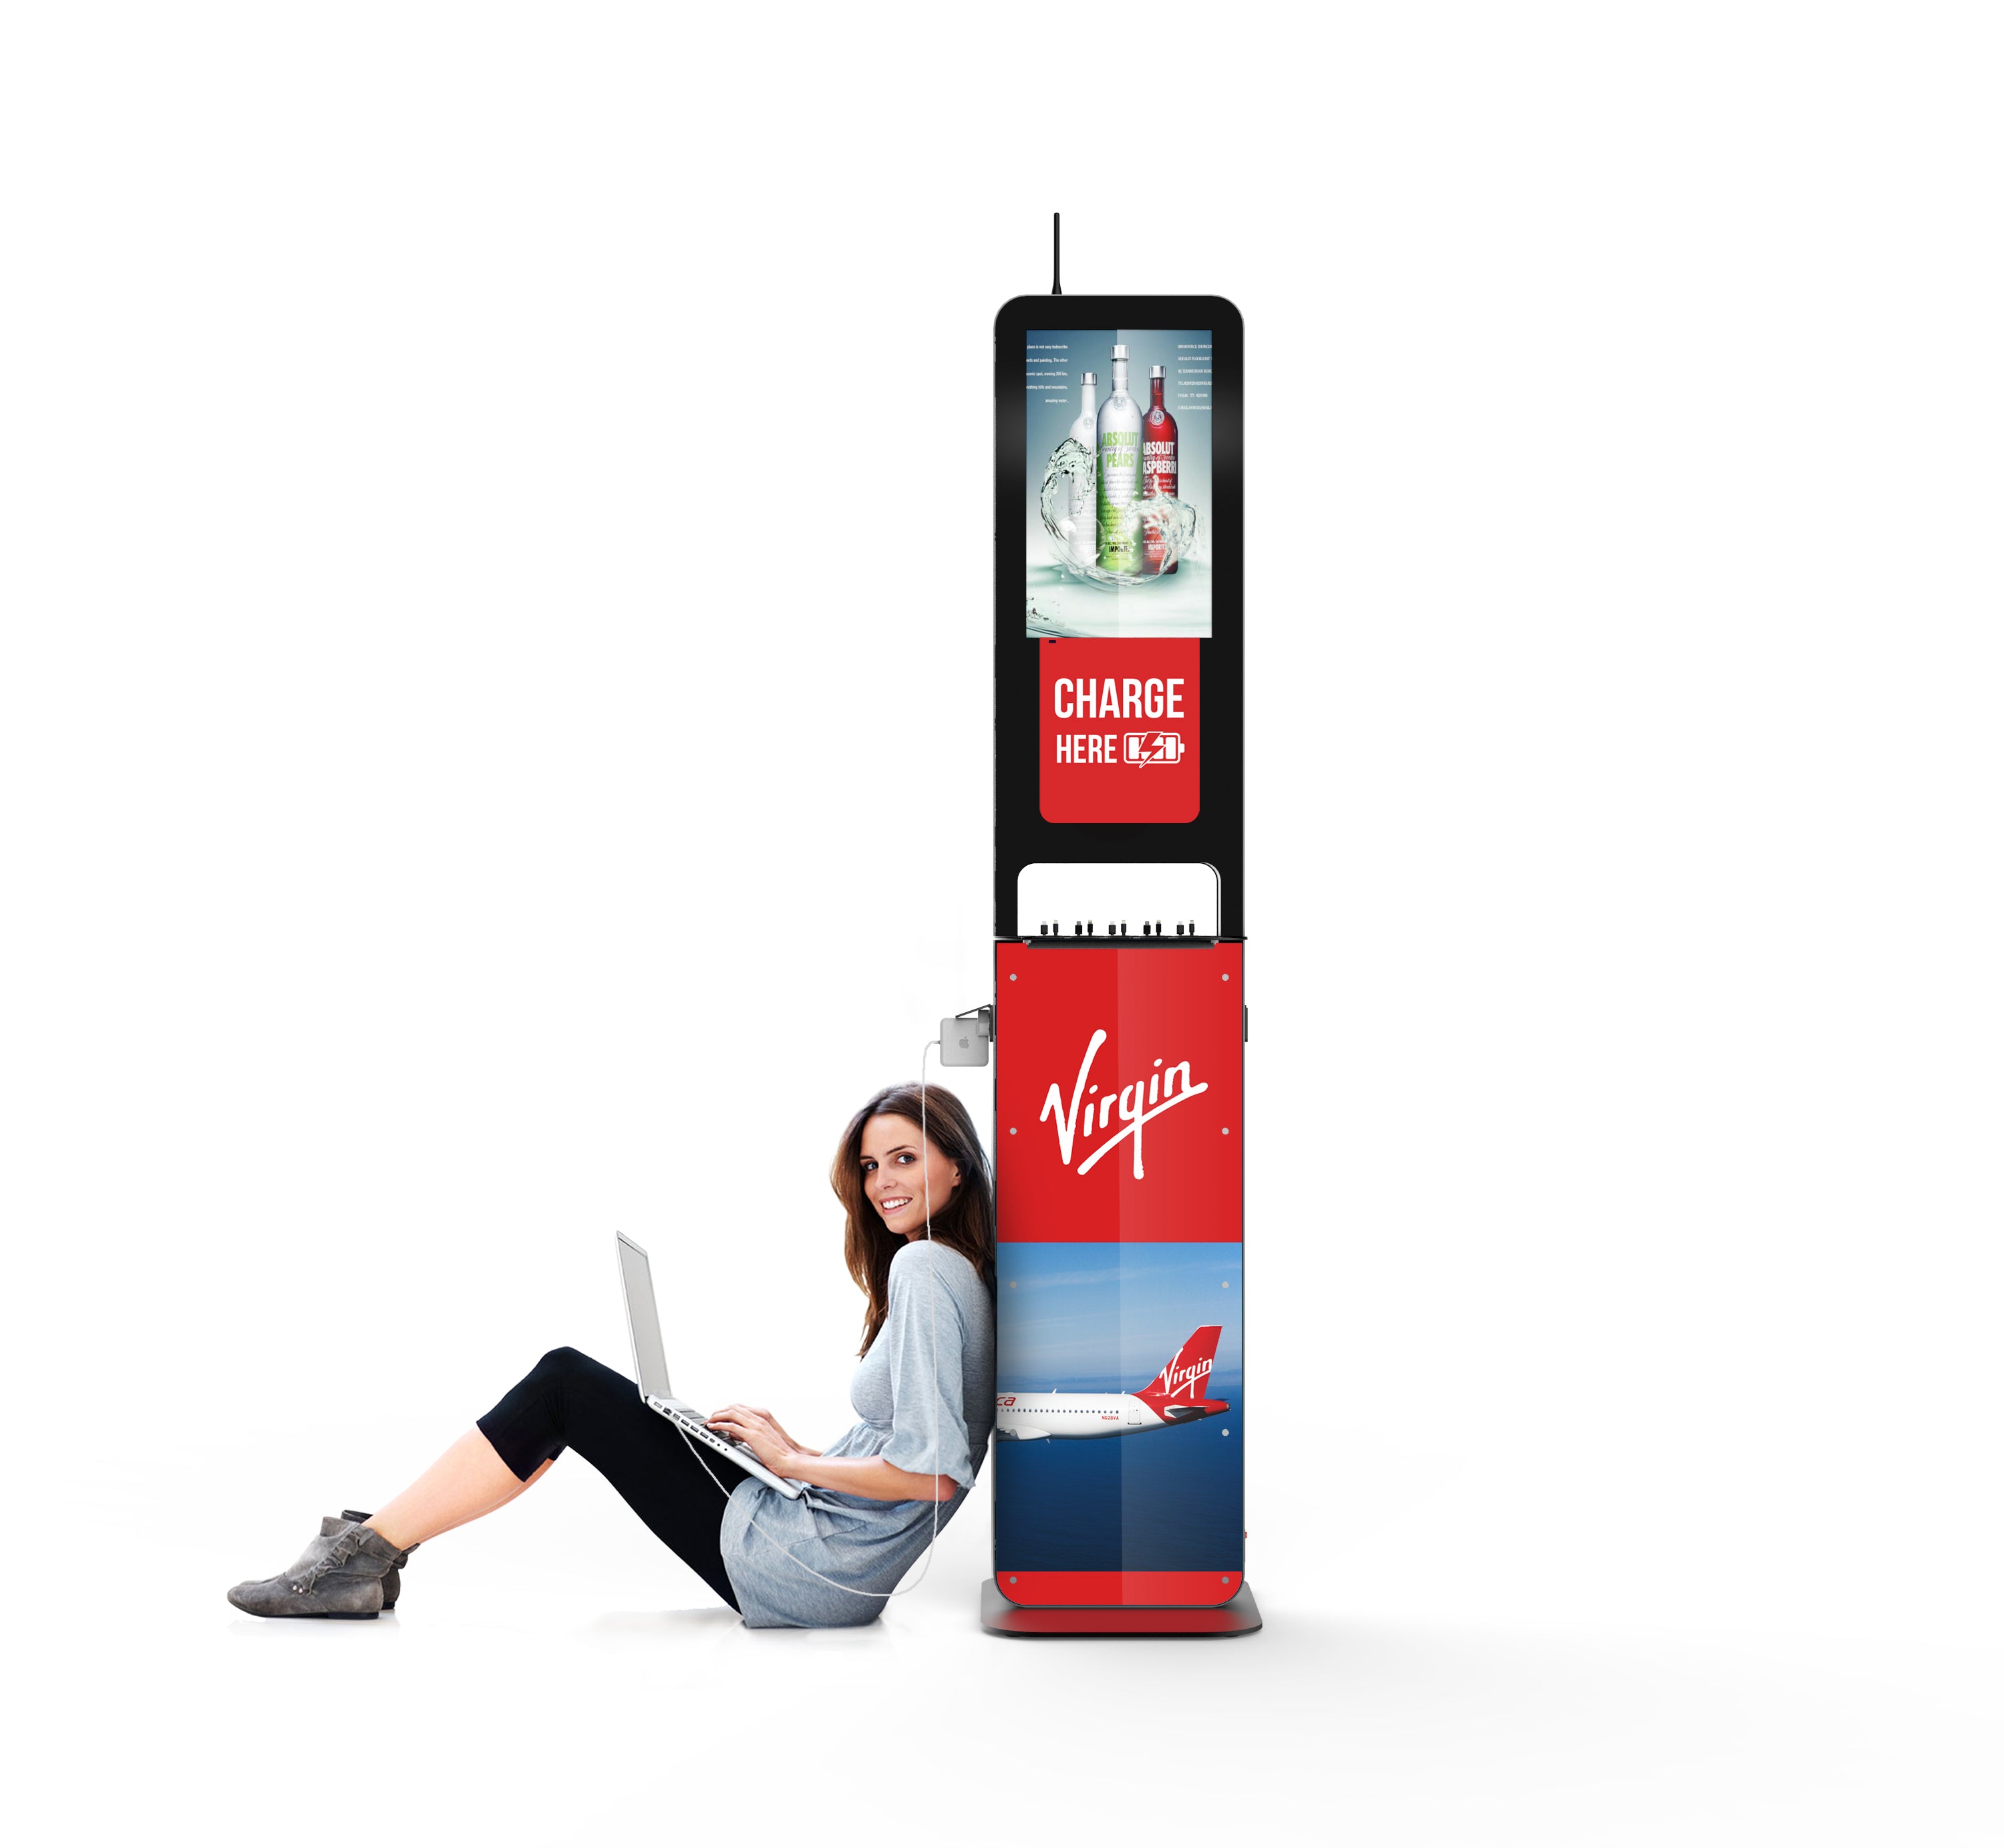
{"type": "Point", "coordinates": [1083, 433]}
{"type": "Point", "coordinates": [1083, 428]}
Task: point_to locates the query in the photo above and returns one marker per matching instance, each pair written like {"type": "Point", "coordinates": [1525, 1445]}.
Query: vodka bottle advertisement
{"type": "Point", "coordinates": [1159, 466]}
{"type": "Point", "coordinates": [1117, 476]}
{"type": "Point", "coordinates": [1117, 493]}
{"type": "Point", "coordinates": [1082, 530]}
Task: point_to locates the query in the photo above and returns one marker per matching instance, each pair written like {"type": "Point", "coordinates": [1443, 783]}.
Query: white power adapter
{"type": "Point", "coordinates": [964, 1039]}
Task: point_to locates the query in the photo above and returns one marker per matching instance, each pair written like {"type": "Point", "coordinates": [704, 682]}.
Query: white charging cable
{"type": "Point", "coordinates": [932, 1292]}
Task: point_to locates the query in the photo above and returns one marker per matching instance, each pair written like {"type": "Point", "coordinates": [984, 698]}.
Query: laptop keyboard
{"type": "Point", "coordinates": [714, 1439]}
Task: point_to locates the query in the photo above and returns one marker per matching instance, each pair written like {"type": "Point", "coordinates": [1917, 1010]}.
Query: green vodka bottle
{"type": "Point", "coordinates": [1117, 492]}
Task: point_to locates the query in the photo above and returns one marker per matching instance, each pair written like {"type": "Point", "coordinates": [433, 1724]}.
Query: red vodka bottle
{"type": "Point", "coordinates": [1158, 467]}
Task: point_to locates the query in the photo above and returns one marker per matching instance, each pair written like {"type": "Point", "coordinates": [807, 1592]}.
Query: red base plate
{"type": "Point", "coordinates": [1239, 1617]}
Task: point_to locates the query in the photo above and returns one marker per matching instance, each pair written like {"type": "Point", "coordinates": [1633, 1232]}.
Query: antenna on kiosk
{"type": "Point", "coordinates": [1055, 289]}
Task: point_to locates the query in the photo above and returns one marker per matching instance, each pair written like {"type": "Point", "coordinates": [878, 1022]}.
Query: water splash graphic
{"type": "Point", "coordinates": [1067, 503]}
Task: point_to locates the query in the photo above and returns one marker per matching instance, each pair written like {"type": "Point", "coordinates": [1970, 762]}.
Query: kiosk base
{"type": "Point", "coordinates": [1239, 1616]}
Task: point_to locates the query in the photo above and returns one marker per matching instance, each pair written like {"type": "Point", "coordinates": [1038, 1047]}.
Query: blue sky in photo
{"type": "Point", "coordinates": [1105, 1317]}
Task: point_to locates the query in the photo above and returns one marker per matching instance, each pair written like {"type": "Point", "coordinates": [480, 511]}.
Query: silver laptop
{"type": "Point", "coordinates": [650, 1362]}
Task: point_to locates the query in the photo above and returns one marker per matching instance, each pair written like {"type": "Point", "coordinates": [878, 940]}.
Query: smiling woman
{"type": "Point", "coordinates": [924, 1391]}
{"type": "Point", "coordinates": [924, 1395]}
{"type": "Point", "coordinates": [878, 1166]}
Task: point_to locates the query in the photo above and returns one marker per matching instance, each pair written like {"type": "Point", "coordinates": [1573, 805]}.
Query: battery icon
{"type": "Point", "coordinates": [1151, 747]}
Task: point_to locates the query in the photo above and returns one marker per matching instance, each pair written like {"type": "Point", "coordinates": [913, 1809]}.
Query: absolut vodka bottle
{"type": "Point", "coordinates": [1158, 469]}
{"type": "Point", "coordinates": [1117, 482]}
{"type": "Point", "coordinates": [1083, 434]}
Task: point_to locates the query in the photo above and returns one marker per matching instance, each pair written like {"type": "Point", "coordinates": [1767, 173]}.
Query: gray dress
{"type": "Point", "coordinates": [865, 1545]}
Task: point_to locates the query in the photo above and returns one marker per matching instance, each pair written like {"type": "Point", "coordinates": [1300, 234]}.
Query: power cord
{"type": "Point", "coordinates": [932, 1293]}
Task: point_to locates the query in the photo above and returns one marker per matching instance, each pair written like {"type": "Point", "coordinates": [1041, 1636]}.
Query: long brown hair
{"type": "Point", "coordinates": [966, 1223]}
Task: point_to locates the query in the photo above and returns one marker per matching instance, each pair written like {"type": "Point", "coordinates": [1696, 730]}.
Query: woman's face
{"type": "Point", "coordinates": [895, 1175]}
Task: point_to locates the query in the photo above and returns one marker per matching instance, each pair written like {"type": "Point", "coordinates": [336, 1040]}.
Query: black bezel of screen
{"type": "Point", "coordinates": [1022, 835]}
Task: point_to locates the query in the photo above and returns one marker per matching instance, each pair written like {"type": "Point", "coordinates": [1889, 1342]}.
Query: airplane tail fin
{"type": "Point", "coordinates": [1188, 1374]}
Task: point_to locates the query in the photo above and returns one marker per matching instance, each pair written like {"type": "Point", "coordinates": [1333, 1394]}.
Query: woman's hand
{"type": "Point", "coordinates": [761, 1433]}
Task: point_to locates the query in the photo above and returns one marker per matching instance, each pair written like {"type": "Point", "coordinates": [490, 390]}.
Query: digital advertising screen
{"type": "Point", "coordinates": [1117, 492]}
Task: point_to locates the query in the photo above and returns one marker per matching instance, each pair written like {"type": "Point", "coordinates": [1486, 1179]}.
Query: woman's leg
{"type": "Point", "coordinates": [470, 1480]}
{"type": "Point", "coordinates": [569, 1400]}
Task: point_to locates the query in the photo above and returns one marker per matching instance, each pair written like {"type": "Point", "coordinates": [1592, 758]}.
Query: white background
{"type": "Point", "coordinates": [494, 747]}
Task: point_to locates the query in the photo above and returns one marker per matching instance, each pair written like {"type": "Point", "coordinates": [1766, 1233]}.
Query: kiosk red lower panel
{"type": "Point", "coordinates": [1120, 1406]}
{"type": "Point", "coordinates": [1118, 1587]}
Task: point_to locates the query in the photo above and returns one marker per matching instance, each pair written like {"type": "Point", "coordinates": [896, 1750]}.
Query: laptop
{"type": "Point", "coordinates": [650, 1362]}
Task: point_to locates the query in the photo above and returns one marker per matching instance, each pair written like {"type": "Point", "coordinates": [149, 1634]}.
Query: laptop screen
{"type": "Point", "coordinates": [646, 1325]}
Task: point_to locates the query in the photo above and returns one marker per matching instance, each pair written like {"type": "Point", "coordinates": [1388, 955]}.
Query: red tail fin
{"type": "Point", "coordinates": [1185, 1379]}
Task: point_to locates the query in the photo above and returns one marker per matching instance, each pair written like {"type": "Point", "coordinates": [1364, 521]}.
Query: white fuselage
{"type": "Point", "coordinates": [1030, 1415]}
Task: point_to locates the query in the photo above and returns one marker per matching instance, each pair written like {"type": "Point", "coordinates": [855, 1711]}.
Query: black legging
{"type": "Point", "coordinates": [568, 1398]}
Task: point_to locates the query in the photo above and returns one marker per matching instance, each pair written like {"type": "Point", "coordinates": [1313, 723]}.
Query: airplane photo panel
{"type": "Point", "coordinates": [1119, 1409]}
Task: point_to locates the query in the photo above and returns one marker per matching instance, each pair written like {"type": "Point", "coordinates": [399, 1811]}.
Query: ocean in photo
{"type": "Point", "coordinates": [1157, 1501]}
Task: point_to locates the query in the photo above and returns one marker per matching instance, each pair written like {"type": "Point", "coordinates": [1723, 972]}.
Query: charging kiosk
{"type": "Point", "coordinates": [1121, 1014]}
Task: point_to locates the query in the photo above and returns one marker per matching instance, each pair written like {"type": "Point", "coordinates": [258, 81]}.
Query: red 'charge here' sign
{"type": "Point", "coordinates": [1117, 731]}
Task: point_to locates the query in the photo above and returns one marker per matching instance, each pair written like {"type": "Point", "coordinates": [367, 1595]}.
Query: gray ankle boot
{"type": "Point", "coordinates": [340, 1575]}
{"type": "Point", "coordinates": [393, 1583]}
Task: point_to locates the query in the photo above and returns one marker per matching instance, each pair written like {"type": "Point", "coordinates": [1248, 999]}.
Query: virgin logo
{"type": "Point", "coordinates": [1142, 1101]}
{"type": "Point", "coordinates": [1186, 1382]}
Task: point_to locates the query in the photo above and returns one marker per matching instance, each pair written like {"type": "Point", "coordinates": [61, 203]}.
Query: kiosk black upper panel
{"type": "Point", "coordinates": [1119, 659]}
